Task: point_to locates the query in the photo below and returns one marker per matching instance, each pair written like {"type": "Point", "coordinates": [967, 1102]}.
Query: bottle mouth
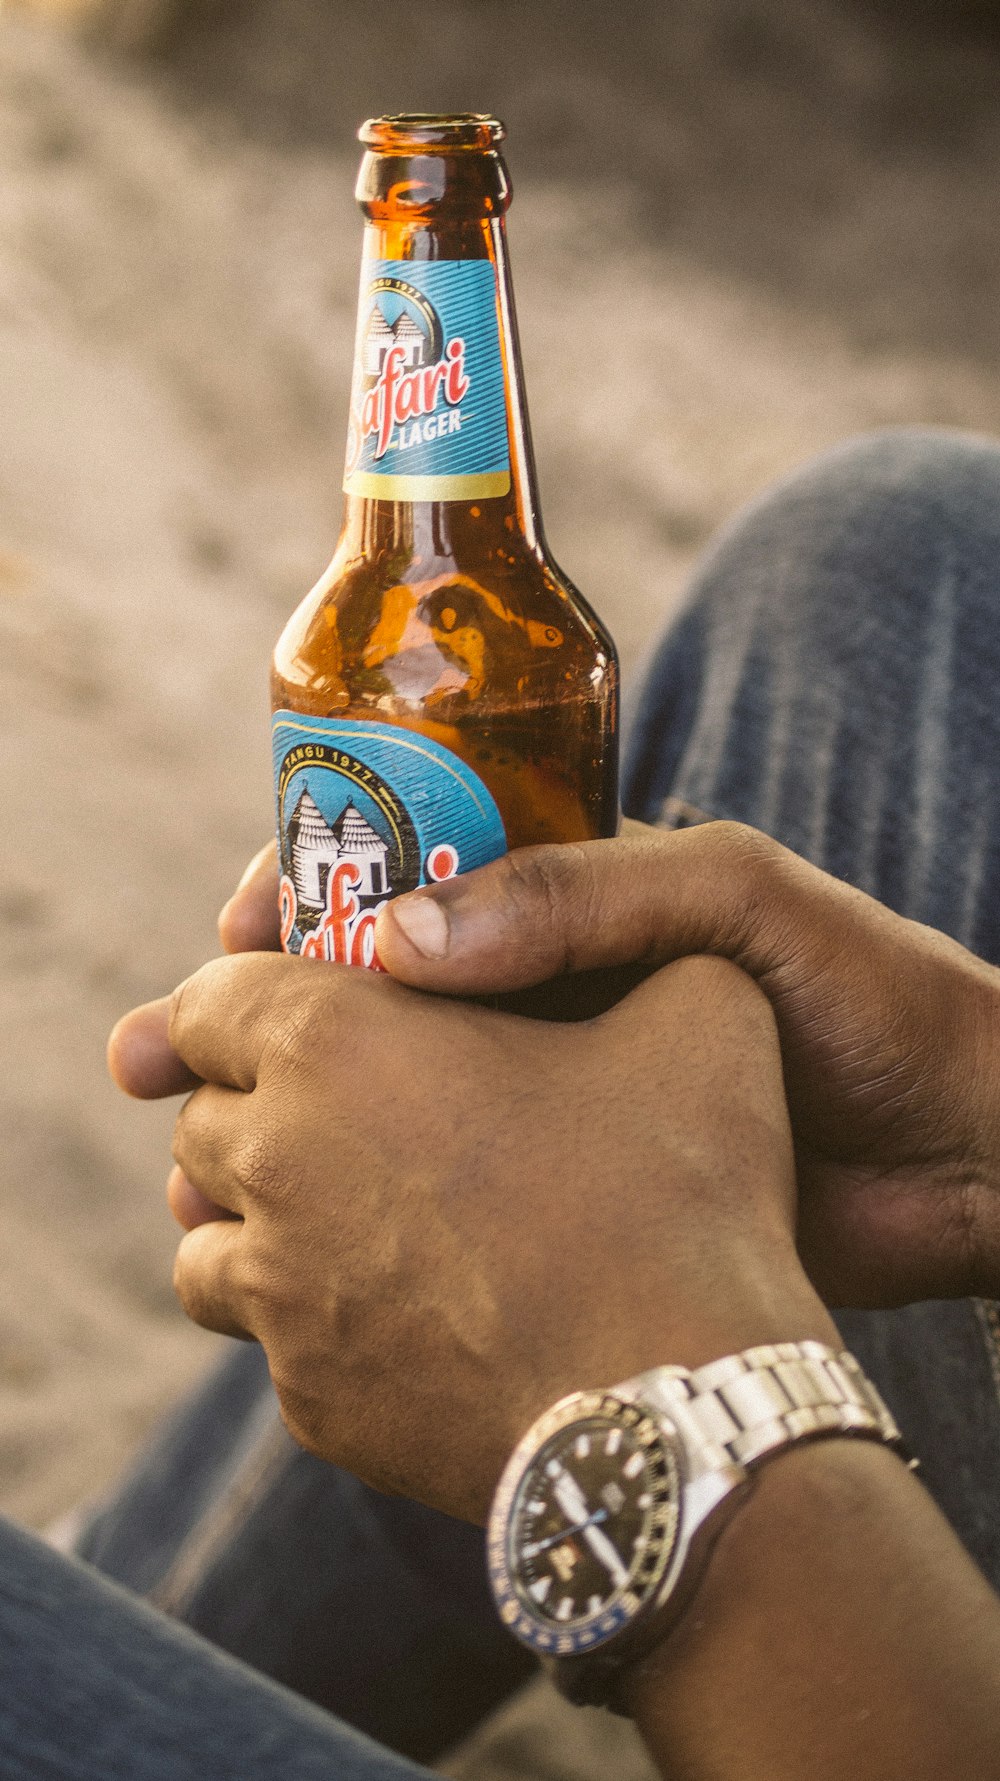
{"type": "Point", "coordinates": [428, 130]}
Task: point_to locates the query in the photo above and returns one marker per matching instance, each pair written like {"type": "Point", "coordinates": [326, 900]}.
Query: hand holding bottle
{"type": "Point", "coordinates": [438, 1217]}
{"type": "Point", "coordinates": [890, 1032]}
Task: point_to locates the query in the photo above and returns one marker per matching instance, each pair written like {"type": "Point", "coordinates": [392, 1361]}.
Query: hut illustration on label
{"type": "Point", "coordinates": [380, 336]}
{"type": "Point", "coordinates": [315, 847]}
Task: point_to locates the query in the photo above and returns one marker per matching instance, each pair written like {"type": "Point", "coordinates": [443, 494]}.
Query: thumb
{"type": "Point", "coordinates": [644, 898]}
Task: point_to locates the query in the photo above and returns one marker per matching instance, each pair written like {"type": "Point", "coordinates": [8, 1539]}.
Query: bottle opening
{"type": "Point", "coordinates": [432, 130]}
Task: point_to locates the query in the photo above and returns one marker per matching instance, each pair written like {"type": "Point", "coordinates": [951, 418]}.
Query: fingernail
{"type": "Point", "coordinates": [424, 923]}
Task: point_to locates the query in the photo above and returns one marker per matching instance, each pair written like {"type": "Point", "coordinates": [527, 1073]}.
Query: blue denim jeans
{"type": "Point", "coordinates": [832, 681]}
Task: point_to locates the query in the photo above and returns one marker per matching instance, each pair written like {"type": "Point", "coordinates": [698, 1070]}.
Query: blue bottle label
{"type": "Point", "coordinates": [367, 811]}
{"type": "Point", "coordinates": [428, 406]}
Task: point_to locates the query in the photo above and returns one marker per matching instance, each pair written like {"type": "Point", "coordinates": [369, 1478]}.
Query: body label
{"type": "Point", "coordinates": [367, 811]}
{"type": "Point", "coordinates": [428, 406]}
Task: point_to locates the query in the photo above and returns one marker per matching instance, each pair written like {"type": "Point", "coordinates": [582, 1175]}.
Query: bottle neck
{"type": "Point", "coordinates": [439, 529]}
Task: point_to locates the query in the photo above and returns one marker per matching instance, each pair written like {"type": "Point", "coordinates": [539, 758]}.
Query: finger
{"type": "Point", "coordinates": [142, 1060]}
{"type": "Point", "coordinates": [222, 1018]}
{"type": "Point", "coordinates": [208, 1278]}
{"type": "Point", "coordinates": [249, 921]}
{"type": "Point", "coordinates": [646, 897]}
{"type": "Point", "coordinates": [209, 1138]}
{"type": "Point", "coordinates": [875, 1239]}
{"type": "Point", "coordinates": [189, 1205]}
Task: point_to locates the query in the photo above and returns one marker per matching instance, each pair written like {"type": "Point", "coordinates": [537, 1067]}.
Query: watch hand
{"type": "Point", "coordinates": [566, 1533]}
{"type": "Point", "coordinates": [572, 1501]}
{"type": "Point", "coordinates": [602, 1549]}
{"type": "Point", "coordinates": [569, 1496]}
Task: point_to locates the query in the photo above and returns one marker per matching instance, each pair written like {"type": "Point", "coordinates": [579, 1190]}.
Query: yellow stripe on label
{"type": "Point", "coordinates": [427, 488]}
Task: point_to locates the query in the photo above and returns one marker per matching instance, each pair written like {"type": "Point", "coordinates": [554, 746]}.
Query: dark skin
{"type": "Point", "coordinates": [545, 1226]}
{"type": "Point", "coordinates": [388, 1291]}
{"type": "Point", "coordinates": [840, 1631]}
{"type": "Point", "coordinates": [890, 1032]}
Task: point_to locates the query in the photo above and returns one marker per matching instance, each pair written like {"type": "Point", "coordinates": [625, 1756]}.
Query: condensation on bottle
{"type": "Point", "coordinates": [444, 692]}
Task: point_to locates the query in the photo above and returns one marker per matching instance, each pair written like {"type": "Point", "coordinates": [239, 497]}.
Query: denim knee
{"type": "Point", "coordinates": [861, 534]}
{"type": "Point", "coordinates": [833, 677]}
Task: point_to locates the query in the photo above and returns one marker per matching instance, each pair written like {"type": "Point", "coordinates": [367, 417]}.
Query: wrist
{"type": "Point", "coordinates": [752, 1298]}
{"type": "Point", "coordinates": [831, 1606]}
{"type": "Point", "coordinates": [804, 1495]}
{"type": "Point", "coordinates": [787, 1315]}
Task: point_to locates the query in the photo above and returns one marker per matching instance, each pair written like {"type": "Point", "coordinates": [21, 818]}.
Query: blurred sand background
{"type": "Point", "coordinates": [742, 230]}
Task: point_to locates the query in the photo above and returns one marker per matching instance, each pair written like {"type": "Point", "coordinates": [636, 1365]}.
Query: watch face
{"type": "Point", "coordinates": [586, 1529]}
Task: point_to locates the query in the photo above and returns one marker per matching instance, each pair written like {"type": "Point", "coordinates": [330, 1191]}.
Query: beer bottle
{"type": "Point", "coordinates": [443, 693]}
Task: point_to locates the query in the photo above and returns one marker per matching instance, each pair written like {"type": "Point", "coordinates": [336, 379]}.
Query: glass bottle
{"type": "Point", "coordinates": [444, 692]}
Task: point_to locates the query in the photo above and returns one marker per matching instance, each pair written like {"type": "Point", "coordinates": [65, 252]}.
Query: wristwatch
{"type": "Point", "coordinates": [606, 1512]}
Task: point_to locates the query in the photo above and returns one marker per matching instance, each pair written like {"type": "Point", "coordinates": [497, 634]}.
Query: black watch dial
{"type": "Point", "coordinates": [590, 1524]}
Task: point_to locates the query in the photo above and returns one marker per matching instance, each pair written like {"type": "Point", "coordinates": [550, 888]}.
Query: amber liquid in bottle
{"type": "Point", "coordinates": [442, 611]}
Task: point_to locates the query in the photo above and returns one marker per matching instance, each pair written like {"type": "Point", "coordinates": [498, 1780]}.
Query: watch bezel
{"type": "Point", "coordinates": [627, 1608]}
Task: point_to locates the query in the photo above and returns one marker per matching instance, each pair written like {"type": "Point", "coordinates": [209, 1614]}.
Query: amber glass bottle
{"type": "Point", "coordinates": [444, 692]}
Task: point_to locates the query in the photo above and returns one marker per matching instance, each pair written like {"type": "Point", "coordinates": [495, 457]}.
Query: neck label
{"type": "Point", "coordinates": [428, 409]}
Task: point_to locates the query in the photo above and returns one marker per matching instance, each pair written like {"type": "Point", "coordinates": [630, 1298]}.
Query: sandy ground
{"type": "Point", "coordinates": [740, 233]}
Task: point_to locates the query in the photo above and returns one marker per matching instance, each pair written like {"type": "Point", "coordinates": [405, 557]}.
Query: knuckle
{"type": "Point", "coordinates": [267, 1287]}
{"type": "Point", "coordinates": [715, 983]}
{"type": "Point", "coordinates": [306, 1009]}
{"type": "Point", "coordinates": [752, 854]}
{"type": "Point", "coordinates": [966, 1237]}
{"type": "Point", "coordinates": [720, 994]}
{"type": "Point", "coordinates": [298, 1416]}
{"type": "Point", "coordinates": [178, 1013]}
{"type": "Point", "coordinates": [528, 876]}
{"type": "Point", "coordinates": [203, 1137]}
{"type": "Point", "coordinates": [290, 1037]}
{"type": "Point", "coordinates": [189, 1286]}
{"type": "Point", "coordinates": [259, 1168]}
{"type": "Point", "coordinates": [209, 1281]}
{"type": "Point", "coordinates": [552, 889]}
{"type": "Point", "coordinates": [184, 1143]}
{"type": "Point", "coordinates": [188, 1000]}
{"type": "Point", "coordinates": [753, 874]}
